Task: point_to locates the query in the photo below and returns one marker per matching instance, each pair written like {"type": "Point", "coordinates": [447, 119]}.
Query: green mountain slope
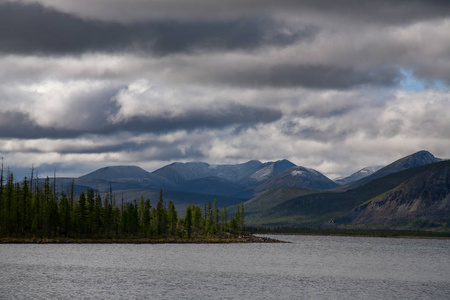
{"type": "Point", "coordinates": [422, 200]}
{"type": "Point", "coordinates": [334, 208]}
{"type": "Point", "coordinates": [270, 199]}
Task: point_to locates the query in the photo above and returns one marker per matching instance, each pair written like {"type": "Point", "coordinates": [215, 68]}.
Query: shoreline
{"type": "Point", "coordinates": [235, 240]}
{"type": "Point", "coordinates": [369, 236]}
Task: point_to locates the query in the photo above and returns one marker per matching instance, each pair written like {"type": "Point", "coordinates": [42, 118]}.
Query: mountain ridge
{"type": "Point", "coordinates": [416, 159]}
{"type": "Point", "coordinates": [346, 208]}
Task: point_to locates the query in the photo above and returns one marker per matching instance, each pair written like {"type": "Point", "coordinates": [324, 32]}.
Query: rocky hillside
{"type": "Point", "coordinates": [413, 197]}
{"type": "Point", "coordinates": [422, 198]}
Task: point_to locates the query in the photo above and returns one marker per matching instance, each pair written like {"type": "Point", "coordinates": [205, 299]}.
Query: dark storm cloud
{"type": "Point", "coordinates": [119, 146]}
{"type": "Point", "coordinates": [103, 82]}
{"type": "Point", "coordinates": [19, 125]}
{"type": "Point", "coordinates": [378, 11]}
{"type": "Point", "coordinates": [202, 119]}
{"type": "Point", "coordinates": [311, 76]}
{"type": "Point", "coordinates": [34, 29]}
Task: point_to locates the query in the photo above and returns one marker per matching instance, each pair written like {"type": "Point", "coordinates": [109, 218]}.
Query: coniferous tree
{"type": "Point", "coordinates": [64, 215]}
{"type": "Point", "coordinates": [81, 215]}
{"type": "Point", "coordinates": [114, 212]}
{"type": "Point", "coordinates": [196, 220]}
{"type": "Point", "coordinates": [216, 217]}
{"type": "Point", "coordinates": [8, 201]}
{"type": "Point", "coordinates": [172, 218]}
{"type": "Point", "coordinates": [26, 206]}
{"type": "Point", "coordinates": [141, 210]}
{"type": "Point", "coordinates": [224, 219]}
{"type": "Point", "coordinates": [97, 214]}
{"type": "Point", "coordinates": [145, 222]}
{"type": "Point", "coordinates": [241, 219]}
{"type": "Point", "coordinates": [188, 221]}
{"type": "Point", "coordinates": [161, 216]}
{"type": "Point", "coordinates": [72, 192]}
{"type": "Point", "coordinates": [107, 215]}
{"type": "Point", "coordinates": [90, 206]}
{"type": "Point", "coordinates": [235, 221]}
{"type": "Point", "coordinates": [36, 220]}
{"type": "Point", "coordinates": [39, 210]}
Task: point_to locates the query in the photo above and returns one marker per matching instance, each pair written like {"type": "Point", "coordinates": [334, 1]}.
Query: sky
{"type": "Point", "coordinates": [330, 85]}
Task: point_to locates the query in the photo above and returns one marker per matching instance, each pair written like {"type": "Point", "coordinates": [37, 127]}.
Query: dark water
{"type": "Point", "coordinates": [311, 267]}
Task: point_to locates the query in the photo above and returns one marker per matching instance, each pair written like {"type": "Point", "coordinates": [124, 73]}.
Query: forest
{"type": "Point", "coordinates": [29, 209]}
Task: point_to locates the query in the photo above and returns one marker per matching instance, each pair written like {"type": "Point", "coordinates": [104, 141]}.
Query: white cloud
{"type": "Point", "coordinates": [334, 129]}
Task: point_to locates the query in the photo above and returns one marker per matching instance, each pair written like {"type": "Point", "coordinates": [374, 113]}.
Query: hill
{"type": "Point", "coordinates": [421, 200]}
{"type": "Point", "coordinates": [299, 177]}
{"type": "Point", "coordinates": [269, 199]}
{"type": "Point", "coordinates": [118, 172]}
{"type": "Point", "coordinates": [355, 207]}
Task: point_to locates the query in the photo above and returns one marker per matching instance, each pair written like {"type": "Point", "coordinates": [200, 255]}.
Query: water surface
{"type": "Point", "coordinates": [310, 267]}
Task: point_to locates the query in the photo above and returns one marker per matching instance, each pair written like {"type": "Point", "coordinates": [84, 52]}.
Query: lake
{"type": "Point", "coordinates": [309, 267]}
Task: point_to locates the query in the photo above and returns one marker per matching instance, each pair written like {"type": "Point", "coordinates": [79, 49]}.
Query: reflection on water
{"type": "Point", "coordinates": [308, 267]}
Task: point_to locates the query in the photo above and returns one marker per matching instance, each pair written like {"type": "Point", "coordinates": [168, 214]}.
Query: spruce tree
{"type": "Point", "coordinates": [188, 221]}
{"type": "Point", "coordinates": [172, 218]}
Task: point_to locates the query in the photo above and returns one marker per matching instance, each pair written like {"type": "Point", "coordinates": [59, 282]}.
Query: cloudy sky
{"type": "Point", "coordinates": [332, 85]}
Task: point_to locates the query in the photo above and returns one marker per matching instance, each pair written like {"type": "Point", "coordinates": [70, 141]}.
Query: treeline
{"type": "Point", "coordinates": [345, 231]}
{"type": "Point", "coordinates": [29, 209]}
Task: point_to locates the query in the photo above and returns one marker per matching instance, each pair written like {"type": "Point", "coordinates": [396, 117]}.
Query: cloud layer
{"type": "Point", "coordinates": [332, 85]}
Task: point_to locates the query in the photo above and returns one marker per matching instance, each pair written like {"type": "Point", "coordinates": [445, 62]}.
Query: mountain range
{"type": "Point", "coordinates": [280, 193]}
{"type": "Point", "coordinates": [410, 193]}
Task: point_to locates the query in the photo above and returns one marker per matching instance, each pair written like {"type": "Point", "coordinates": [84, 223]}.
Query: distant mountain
{"type": "Point", "coordinates": [358, 175]}
{"type": "Point", "coordinates": [299, 177]}
{"type": "Point", "coordinates": [267, 171]}
{"type": "Point", "coordinates": [240, 181]}
{"type": "Point", "coordinates": [417, 159]}
{"type": "Point", "coordinates": [237, 172]}
{"type": "Point", "coordinates": [422, 198]}
{"type": "Point", "coordinates": [118, 172]}
{"type": "Point", "coordinates": [123, 177]}
{"type": "Point", "coordinates": [418, 196]}
{"type": "Point", "coordinates": [193, 177]}
{"type": "Point", "coordinates": [178, 172]}
{"type": "Point", "coordinates": [411, 190]}
{"type": "Point", "coordinates": [245, 175]}
{"type": "Point", "coordinates": [414, 160]}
